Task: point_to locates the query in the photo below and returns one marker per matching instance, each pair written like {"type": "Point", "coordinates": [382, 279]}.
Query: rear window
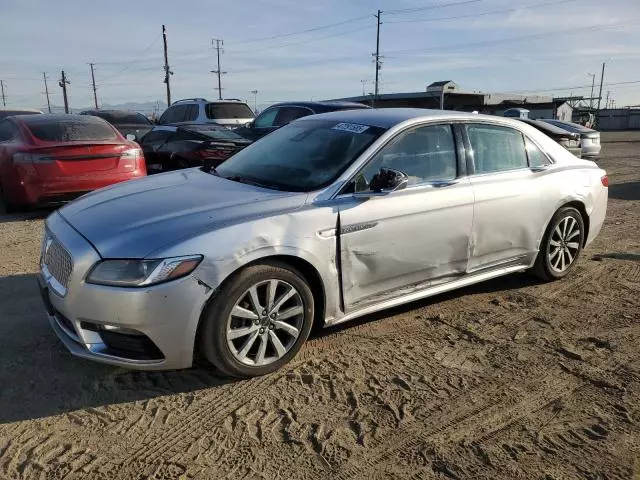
{"type": "Point", "coordinates": [214, 133]}
{"type": "Point", "coordinates": [123, 117]}
{"type": "Point", "coordinates": [72, 130]}
{"type": "Point", "coordinates": [228, 110]}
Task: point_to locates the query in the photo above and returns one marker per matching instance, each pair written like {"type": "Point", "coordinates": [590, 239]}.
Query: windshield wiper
{"type": "Point", "coordinates": [250, 181]}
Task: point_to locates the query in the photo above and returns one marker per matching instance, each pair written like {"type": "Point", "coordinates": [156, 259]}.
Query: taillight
{"type": "Point", "coordinates": [605, 181]}
{"type": "Point", "coordinates": [131, 158]}
{"type": "Point", "coordinates": [214, 154]}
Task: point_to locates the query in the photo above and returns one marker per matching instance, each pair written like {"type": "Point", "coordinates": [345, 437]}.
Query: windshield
{"type": "Point", "coordinates": [570, 127]}
{"type": "Point", "coordinates": [215, 133]}
{"type": "Point", "coordinates": [228, 110]}
{"type": "Point", "coordinates": [302, 156]}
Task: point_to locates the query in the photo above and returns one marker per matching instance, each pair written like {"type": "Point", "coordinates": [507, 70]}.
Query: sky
{"type": "Point", "coordinates": [322, 49]}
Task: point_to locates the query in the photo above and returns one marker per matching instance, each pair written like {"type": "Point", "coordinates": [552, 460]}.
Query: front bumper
{"type": "Point", "coordinates": [152, 328]}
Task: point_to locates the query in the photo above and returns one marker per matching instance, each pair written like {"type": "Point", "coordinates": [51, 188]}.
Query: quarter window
{"type": "Point", "coordinates": [536, 157]}
{"type": "Point", "coordinates": [425, 154]}
{"type": "Point", "coordinates": [496, 148]}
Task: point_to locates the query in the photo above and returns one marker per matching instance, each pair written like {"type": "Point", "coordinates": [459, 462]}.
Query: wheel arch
{"type": "Point", "coordinates": [304, 267]}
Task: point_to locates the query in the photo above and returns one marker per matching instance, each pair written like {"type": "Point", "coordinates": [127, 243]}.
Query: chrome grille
{"type": "Point", "coordinates": [57, 260]}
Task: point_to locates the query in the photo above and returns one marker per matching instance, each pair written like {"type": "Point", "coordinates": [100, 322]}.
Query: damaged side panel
{"type": "Point", "coordinates": [403, 241]}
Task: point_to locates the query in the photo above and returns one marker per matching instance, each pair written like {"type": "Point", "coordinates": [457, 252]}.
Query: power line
{"type": "Point", "coordinates": [132, 62]}
{"type": "Point", "coordinates": [300, 32]}
{"type": "Point", "coordinates": [575, 87]}
{"type": "Point", "coordinates": [302, 42]}
{"type": "Point", "coordinates": [483, 14]}
{"type": "Point", "coordinates": [591, 28]}
{"type": "Point", "coordinates": [430, 7]}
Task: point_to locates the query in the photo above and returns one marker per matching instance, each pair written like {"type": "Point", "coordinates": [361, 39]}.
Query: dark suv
{"type": "Point", "coordinates": [280, 114]}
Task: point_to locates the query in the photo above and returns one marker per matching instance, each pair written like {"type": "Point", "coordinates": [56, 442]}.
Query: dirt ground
{"type": "Point", "coordinates": [505, 380]}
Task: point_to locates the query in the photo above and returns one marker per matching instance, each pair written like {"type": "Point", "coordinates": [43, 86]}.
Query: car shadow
{"type": "Point", "coordinates": [39, 214]}
{"type": "Point", "coordinates": [40, 378]}
{"type": "Point", "coordinates": [625, 191]}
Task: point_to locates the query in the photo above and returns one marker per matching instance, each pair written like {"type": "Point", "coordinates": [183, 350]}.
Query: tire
{"type": "Point", "coordinates": [9, 207]}
{"type": "Point", "coordinates": [561, 245]}
{"type": "Point", "coordinates": [238, 339]}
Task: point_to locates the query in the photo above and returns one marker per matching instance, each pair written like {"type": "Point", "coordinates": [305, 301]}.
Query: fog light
{"type": "Point", "coordinates": [117, 329]}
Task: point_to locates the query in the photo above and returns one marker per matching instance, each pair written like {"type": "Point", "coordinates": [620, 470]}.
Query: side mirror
{"type": "Point", "coordinates": [384, 182]}
{"type": "Point", "coordinates": [131, 137]}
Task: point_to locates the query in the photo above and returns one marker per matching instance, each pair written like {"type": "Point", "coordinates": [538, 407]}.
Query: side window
{"type": "Point", "coordinates": [266, 119]}
{"type": "Point", "coordinates": [157, 136]}
{"type": "Point", "coordinates": [496, 148]}
{"type": "Point", "coordinates": [425, 154]}
{"type": "Point", "coordinates": [8, 131]}
{"type": "Point", "coordinates": [191, 113]}
{"type": "Point", "coordinates": [289, 114]}
{"type": "Point", "coordinates": [536, 157]}
{"type": "Point", "coordinates": [166, 116]}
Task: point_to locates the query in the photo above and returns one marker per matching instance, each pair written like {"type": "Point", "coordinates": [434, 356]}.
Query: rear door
{"type": "Point", "coordinates": [507, 211]}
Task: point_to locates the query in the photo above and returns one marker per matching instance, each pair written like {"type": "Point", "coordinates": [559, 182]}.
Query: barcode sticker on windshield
{"type": "Point", "coordinates": [351, 127]}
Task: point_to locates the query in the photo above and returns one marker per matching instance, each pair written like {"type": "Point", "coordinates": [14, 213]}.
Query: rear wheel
{"type": "Point", "coordinates": [258, 321]}
{"type": "Point", "coordinates": [561, 245]}
{"type": "Point", "coordinates": [9, 207]}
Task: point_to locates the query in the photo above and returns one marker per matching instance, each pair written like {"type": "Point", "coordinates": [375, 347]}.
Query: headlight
{"type": "Point", "coordinates": [141, 273]}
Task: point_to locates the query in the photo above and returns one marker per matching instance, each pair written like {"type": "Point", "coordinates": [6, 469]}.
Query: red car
{"type": "Point", "coordinates": [50, 159]}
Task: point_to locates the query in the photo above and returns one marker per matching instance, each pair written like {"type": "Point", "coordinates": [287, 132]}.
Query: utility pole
{"type": "Point", "coordinates": [607, 102]}
{"type": "Point", "coordinates": [255, 101]}
{"type": "Point", "coordinates": [601, 82]}
{"type": "Point", "coordinates": [4, 99]}
{"type": "Point", "coordinates": [93, 84]}
{"type": "Point", "coordinates": [364, 83]}
{"type": "Point", "coordinates": [46, 90]}
{"type": "Point", "coordinates": [167, 70]}
{"type": "Point", "coordinates": [63, 83]}
{"type": "Point", "coordinates": [377, 57]}
{"type": "Point", "coordinates": [593, 82]}
{"type": "Point", "coordinates": [219, 43]}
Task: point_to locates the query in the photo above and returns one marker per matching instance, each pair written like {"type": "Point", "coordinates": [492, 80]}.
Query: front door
{"type": "Point", "coordinates": [409, 239]}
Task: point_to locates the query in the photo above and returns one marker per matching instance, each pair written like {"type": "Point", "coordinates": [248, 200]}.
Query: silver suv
{"type": "Point", "coordinates": [230, 113]}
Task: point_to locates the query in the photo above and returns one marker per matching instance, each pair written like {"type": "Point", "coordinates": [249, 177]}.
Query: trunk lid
{"type": "Point", "coordinates": [73, 159]}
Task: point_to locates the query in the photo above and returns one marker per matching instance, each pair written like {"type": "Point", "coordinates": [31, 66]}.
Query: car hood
{"type": "Point", "coordinates": [136, 218]}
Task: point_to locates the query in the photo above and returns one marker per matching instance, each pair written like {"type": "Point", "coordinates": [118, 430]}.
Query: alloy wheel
{"type": "Point", "coordinates": [265, 322]}
{"type": "Point", "coordinates": [564, 244]}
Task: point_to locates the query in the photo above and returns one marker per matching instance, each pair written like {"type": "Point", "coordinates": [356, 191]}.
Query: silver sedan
{"type": "Point", "coordinates": [330, 218]}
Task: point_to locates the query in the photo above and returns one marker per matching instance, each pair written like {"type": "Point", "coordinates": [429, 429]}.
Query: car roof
{"type": "Point", "coordinates": [321, 104]}
{"type": "Point", "coordinates": [388, 117]}
{"type": "Point", "coordinates": [545, 126]}
{"type": "Point", "coordinates": [576, 126]}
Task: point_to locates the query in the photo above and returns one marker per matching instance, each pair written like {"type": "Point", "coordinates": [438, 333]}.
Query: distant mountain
{"type": "Point", "coordinates": [146, 108]}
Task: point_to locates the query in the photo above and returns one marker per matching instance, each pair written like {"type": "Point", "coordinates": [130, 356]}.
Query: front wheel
{"type": "Point", "coordinates": [561, 245]}
{"type": "Point", "coordinates": [258, 320]}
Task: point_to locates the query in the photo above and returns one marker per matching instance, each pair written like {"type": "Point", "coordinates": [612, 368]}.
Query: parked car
{"type": "Point", "coordinates": [569, 140]}
{"type": "Point", "coordinates": [51, 159]}
{"type": "Point", "coordinates": [173, 147]}
{"type": "Point", "coordinates": [589, 138]}
{"type": "Point", "coordinates": [329, 218]}
{"type": "Point", "coordinates": [127, 122]}
{"type": "Point", "coordinates": [8, 112]}
{"type": "Point", "coordinates": [229, 113]}
{"type": "Point", "coordinates": [281, 114]}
